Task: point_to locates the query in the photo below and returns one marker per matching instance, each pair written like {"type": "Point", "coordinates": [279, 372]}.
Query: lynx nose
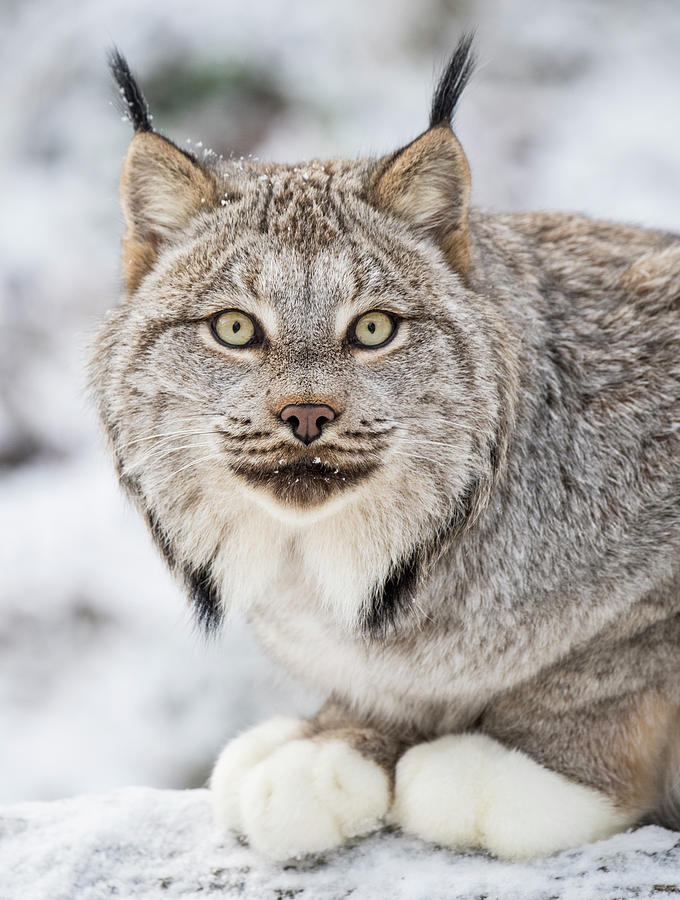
{"type": "Point", "coordinates": [307, 419]}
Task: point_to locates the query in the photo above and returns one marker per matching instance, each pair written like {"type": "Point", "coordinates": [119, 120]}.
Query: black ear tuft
{"type": "Point", "coordinates": [134, 103]}
{"type": "Point", "coordinates": [453, 81]}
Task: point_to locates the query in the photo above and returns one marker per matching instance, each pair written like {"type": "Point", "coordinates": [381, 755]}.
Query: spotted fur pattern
{"type": "Point", "coordinates": [487, 536]}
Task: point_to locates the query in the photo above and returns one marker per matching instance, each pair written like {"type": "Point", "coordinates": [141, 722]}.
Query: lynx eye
{"type": "Point", "coordinates": [374, 329]}
{"type": "Point", "coordinates": [234, 328]}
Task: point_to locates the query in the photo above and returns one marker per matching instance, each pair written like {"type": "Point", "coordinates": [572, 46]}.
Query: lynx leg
{"type": "Point", "coordinates": [470, 791]}
{"type": "Point", "coordinates": [292, 791]}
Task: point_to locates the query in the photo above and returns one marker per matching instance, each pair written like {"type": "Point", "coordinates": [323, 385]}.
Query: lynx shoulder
{"type": "Point", "coordinates": [433, 454]}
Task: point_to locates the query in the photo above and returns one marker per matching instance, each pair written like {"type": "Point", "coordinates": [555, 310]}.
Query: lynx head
{"type": "Point", "coordinates": [299, 368]}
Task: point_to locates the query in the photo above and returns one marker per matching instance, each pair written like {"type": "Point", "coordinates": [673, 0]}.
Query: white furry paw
{"type": "Point", "coordinates": [239, 757]}
{"type": "Point", "coordinates": [470, 791]}
{"type": "Point", "coordinates": [299, 796]}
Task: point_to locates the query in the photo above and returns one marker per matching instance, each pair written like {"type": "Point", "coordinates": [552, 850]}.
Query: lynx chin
{"type": "Point", "coordinates": [433, 454]}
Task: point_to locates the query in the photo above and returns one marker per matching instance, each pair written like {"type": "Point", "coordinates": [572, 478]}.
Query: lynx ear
{"type": "Point", "coordinates": [161, 186]}
{"type": "Point", "coordinates": [161, 189]}
{"type": "Point", "coordinates": [428, 185]}
{"type": "Point", "coordinates": [428, 182]}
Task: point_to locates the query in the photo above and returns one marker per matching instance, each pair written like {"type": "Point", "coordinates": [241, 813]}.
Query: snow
{"type": "Point", "coordinates": [103, 681]}
{"type": "Point", "coordinates": [141, 842]}
{"type": "Point", "coordinates": [102, 677]}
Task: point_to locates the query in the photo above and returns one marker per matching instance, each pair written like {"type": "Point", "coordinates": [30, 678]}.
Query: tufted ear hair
{"type": "Point", "coordinates": [161, 186]}
{"type": "Point", "coordinates": [427, 183]}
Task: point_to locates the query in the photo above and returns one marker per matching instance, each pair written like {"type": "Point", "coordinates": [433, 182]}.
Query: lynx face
{"type": "Point", "coordinates": [383, 410]}
{"type": "Point", "coordinates": [300, 339]}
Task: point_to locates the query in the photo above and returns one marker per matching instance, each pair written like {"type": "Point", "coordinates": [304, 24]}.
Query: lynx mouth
{"type": "Point", "coordinates": [307, 481]}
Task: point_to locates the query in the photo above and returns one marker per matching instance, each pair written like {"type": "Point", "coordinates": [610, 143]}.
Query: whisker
{"type": "Point", "coordinates": [455, 427]}
{"type": "Point", "coordinates": [188, 419]}
{"type": "Point", "coordinates": [149, 456]}
{"type": "Point", "coordinates": [410, 455]}
{"type": "Point", "coordinates": [163, 436]}
{"type": "Point", "coordinates": [430, 446]}
{"type": "Point", "coordinates": [161, 482]}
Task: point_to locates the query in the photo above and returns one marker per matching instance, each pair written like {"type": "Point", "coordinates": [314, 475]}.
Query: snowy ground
{"type": "Point", "coordinates": [102, 681]}
{"type": "Point", "coordinates": [140, 842]}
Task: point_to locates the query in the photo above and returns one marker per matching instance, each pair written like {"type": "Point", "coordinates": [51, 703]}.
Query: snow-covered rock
{"type": "Point", "coordinates": [142, 842]}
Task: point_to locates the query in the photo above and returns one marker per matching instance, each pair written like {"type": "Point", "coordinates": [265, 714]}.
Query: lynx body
{"type": "Point", "coordinates": [433, 454]}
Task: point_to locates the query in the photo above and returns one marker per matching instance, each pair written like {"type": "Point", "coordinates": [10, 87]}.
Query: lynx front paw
{"type": "Point", "coordinates": [470, 791]}
{"type": "Point", "coordinates": [300, 796]}
{"type": "Point", "coordinates": [239, 757]}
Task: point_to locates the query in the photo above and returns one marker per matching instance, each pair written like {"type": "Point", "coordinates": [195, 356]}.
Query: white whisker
{"type": "Point", "coordinates": [410, 455]}
{"type": "Point", "coordinates": [162, 437]}
{"type": "Point", "coordinates": [150, 457]}
{"type": "Point", "coordinates": [171, 476]}
{"type": "Point", "coordinates": [454, 427]}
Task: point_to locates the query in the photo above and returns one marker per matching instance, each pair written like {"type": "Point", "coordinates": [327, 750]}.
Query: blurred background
{"type": "Point", "coordinates": [575, 105]}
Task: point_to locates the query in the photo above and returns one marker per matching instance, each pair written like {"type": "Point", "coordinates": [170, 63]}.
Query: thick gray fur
{"type": "Point", "coordinates": [491, 539]}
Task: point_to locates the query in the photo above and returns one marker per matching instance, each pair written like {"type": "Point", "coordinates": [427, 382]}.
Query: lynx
{"type": "Point", "coordinates": [432, 454]}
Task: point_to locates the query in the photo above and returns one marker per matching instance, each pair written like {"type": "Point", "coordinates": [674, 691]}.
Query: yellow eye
{"type": "Point", "coordinates": [234, 328]}
{"type": "Point", "coordinates": [374, 329]}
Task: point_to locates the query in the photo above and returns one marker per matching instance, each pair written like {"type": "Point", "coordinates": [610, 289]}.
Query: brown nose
{"type": "Point", "coordinates": [307, 419]}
